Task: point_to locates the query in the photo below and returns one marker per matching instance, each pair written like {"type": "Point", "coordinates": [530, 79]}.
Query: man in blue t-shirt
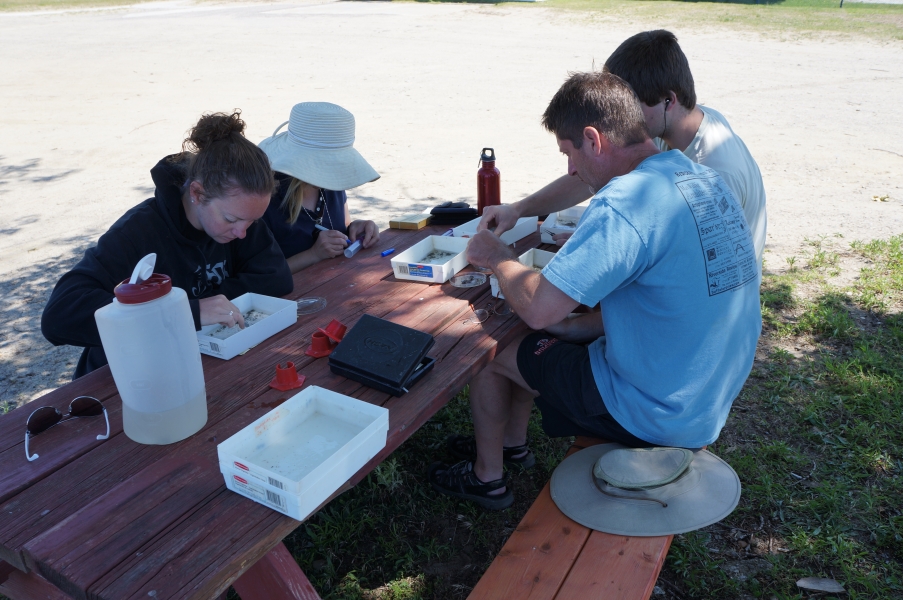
{"type": "Point", "coordinates": [665, 249]}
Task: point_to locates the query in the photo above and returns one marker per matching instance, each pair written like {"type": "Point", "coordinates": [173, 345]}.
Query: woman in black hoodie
{"type": "Point", "coordinates": [201, 223]}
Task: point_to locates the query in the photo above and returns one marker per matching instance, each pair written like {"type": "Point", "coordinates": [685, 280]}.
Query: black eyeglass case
{"type": "Point", "coordinates": [383, 355]}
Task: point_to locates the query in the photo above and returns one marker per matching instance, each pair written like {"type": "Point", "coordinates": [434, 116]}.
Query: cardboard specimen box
{"type": "Point", "coordinates": [564, 221]}
{"type": "Point", "coordinates": [537, 259]}
{"type": "Point", "coordinates": [295, 456]}
{"type": "Point", "coordinates": [276, 313]}
{"type": "Point", "coordinates": [434, 259]}
{"type": "Point", "coordinates": [521, 229]}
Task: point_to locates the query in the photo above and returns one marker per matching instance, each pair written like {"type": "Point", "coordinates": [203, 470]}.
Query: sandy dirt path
{"type": "Point", "coordinates": [92, 99]}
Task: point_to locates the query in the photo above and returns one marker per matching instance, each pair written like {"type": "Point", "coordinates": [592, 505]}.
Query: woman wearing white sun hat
{"type": "Point", "coordinates": [315, 162]}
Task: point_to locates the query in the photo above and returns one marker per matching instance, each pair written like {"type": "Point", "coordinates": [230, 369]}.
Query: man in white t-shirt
{"type": "Point", "coordinates": [657, 70]}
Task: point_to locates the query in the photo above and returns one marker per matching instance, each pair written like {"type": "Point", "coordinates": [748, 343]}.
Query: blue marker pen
{"type": "Point", "coordinates": [387, 252]}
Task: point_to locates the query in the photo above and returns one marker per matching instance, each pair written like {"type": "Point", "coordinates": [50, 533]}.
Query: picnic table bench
{"type": "Point", "coordinates": [549, 556]}
{"type": "Point", "coordinates": [116, 519]}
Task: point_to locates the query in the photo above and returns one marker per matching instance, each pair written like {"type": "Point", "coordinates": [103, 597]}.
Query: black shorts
{"type": "Point", "coordinates": [569, 400]}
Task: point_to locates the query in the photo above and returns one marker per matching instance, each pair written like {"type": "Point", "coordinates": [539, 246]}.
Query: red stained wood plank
{"type": "Point", "coordinates": [613, 566]}
{"type": "Point", "coordinates": [198, 558]}
{"type": "Point", "coordinates": [94, 539]}
{"type": "Point", "coordinates": [536, 559]}
{"type": "Point", "coordinates": [16, 585]}
{"type": "Point", "coordinates": [549, 556]}
{"type": "Point", "coordinates": [275, 577]}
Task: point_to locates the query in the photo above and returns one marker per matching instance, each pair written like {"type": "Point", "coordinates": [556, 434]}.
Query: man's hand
{"type": "Point", "coordinates": [365, 229]}
{"type": "Point", "coordinates": [485, 249]}
{"type": "Point", "coordinates": [501, 217]}
{"type": "Point", "coordinates": [217, 309]}
{"type": "Point", "coordinates": [329, 244]}
{"type": "Point", "coordinates": [561, 238]}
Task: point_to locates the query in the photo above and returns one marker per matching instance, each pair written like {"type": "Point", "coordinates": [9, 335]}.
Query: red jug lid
{"type": "Point", "coordinates": [155, 286]}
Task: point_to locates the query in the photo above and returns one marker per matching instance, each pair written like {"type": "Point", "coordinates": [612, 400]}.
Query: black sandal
{"type": "Point", "coordinates": [464, 447]}
{"type": "Point", "coordinates": [460, 481]}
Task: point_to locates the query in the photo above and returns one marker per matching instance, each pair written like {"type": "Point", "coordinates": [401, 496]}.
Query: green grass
{"type": "Point", "coordinates": [788, 18]}
{"type": "Point", "coordinates": [815, 437]}
{"type": "Point", "coordinates": [15, 5]}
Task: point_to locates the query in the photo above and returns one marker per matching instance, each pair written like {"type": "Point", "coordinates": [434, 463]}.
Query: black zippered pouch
{"type": "Point", "coordinates": [383, 355]}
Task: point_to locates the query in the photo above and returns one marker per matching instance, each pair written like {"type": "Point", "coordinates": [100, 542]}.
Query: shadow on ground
{"type": "Point", "coordinates": [29, 364]}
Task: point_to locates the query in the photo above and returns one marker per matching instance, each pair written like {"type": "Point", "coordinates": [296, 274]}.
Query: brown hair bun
{"type": "Point", "coordinates": [213, 128]}
{"type": "Point", "coordinates": [221, 158]}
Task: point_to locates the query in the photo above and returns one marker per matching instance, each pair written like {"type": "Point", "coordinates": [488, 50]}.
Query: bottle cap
{"type": "Point", "coordinates": [155, 286]}
{"type": "Point", "coordinates": [488, 155]}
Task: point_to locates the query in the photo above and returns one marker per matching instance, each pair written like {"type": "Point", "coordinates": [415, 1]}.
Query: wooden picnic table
{"type": "Point", "coordinates": [116, 519]}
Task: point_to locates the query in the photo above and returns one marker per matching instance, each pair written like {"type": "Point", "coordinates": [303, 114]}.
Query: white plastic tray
{"type": "Point", "coordinates": [281, 314]}
{"type": "Point", "coordinates": [532, 258]}
{"type": "Point", "coordinates": [309, 446]}
{"type": "Point", "coordinates": [553, 224]}
{"type": "Point", "coordinates": [409, 265]}
{"type": "Point", "coordinates": [521, 229]}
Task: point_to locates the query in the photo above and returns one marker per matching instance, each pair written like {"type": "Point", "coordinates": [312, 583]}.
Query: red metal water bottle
{"type": "Point", "coordinates": [488, 181]}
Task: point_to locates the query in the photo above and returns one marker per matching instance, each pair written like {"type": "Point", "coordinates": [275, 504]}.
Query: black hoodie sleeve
{"type": "Point", "coordinates": [259, 264]}
{"type": "Point", "coordinates": [69, 315]}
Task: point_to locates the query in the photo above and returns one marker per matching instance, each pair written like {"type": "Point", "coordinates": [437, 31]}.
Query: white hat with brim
{"type": "Point", "coordinates": [644, 491]}
{"type": "Point", "coordinates": [318, 148]}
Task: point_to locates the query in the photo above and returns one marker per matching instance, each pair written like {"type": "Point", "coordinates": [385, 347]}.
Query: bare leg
{"type": "Point", "coordinates": [500, 401]}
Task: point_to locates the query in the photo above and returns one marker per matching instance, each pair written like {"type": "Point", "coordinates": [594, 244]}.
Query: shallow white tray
{"type": "Point", "coordinates": [310, 445]}
{"type": "Point", "coordinates": [280, 314]}
{"type": "Point", "coordinates": [521, 229]}
{"type": "Point", "coordinates": [555, 223]}
{"type": "Point", "coordinates": [409, 265]}
{"type": "Point", "coordinates": [532, 258]}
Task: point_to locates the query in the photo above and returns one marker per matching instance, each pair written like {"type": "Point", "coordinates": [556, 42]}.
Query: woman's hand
{"type": "Point", "coordinates": [329, 244]}
{"type": "Point", "coordinates": [217, 309]}
{"type": "Point", "coordinates": [365, 229]}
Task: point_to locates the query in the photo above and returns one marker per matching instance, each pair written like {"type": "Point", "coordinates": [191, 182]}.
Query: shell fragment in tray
{"type": "Point", "coordinates": [295, 456]}
{"type": "Point", "coordinates": [264, 316]}
{"type": "Point", "coordinates": [434, 259]}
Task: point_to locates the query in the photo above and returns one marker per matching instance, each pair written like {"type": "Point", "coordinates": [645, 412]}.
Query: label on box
{"type": "Point", "coordinates": [258, 493]}
{"type": "Point", "coordinates": [209, 347]}
{"type": "Point", "coordinates": [247, 472]}
{"type": "Point", "coordinates": [420, 271]}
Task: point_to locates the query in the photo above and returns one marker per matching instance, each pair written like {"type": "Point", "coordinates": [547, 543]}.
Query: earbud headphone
{"type": "Point", "coordinates": [667, 102]}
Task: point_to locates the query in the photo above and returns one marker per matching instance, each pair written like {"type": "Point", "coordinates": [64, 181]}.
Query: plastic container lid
{"type": "Point", "coordinates": [155, 286]}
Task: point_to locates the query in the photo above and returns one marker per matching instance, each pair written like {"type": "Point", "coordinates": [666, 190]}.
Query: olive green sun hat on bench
{"type": "Point", "coordinates": [644, 491]}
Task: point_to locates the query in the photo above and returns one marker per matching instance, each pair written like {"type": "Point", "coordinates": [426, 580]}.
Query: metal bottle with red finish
{"type": "Point", "coordinates": [488, 181]}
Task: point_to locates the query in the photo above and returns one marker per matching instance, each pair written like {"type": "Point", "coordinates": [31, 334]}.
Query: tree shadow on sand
{"type": "Point", "coordinates": [29, 364]}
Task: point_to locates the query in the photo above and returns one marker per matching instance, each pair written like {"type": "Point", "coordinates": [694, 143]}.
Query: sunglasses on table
{"type": "Point", "coordinates": [45, 417]}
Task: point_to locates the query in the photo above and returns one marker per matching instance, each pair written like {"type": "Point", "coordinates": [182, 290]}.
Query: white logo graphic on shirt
{"type": "Point", "coordinates": [208, 276]}
{"type": "Point", "coordinates": [726, 242]}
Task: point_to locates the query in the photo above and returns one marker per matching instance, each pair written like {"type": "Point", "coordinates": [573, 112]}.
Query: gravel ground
{"type": "Point", "coordinates": [93, 98]}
